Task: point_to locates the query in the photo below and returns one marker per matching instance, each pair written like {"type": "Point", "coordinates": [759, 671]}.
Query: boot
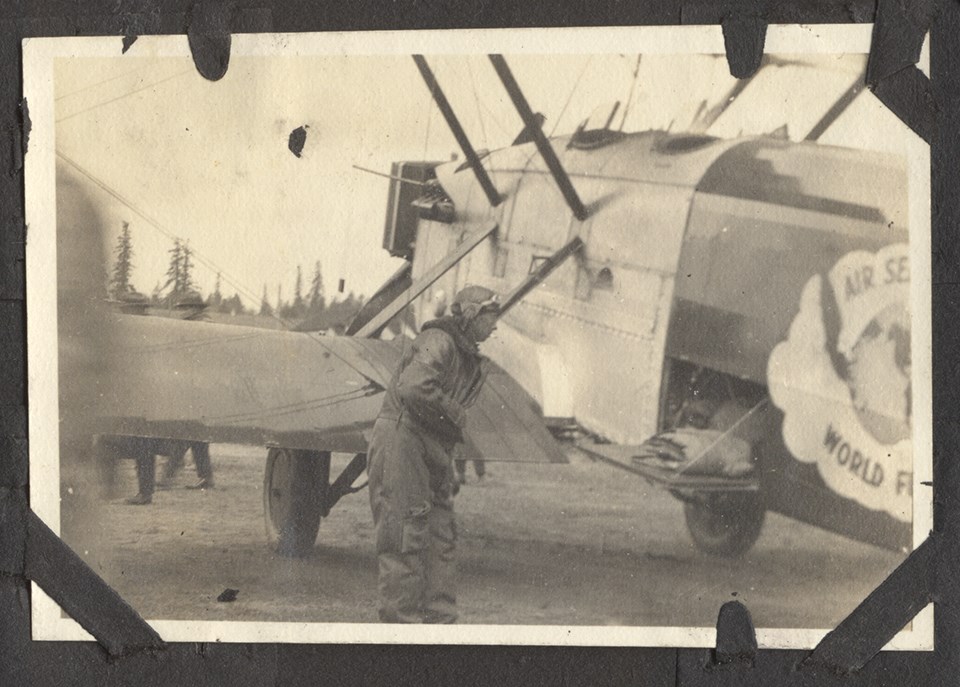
{"type": "Point", "coordinates": [205, 483]}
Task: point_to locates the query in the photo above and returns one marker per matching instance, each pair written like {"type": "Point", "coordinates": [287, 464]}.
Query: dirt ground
{"type": "Point", "coordinates": [577, 544]}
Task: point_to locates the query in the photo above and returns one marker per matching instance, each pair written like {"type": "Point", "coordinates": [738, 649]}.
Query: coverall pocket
{"type": "Point", "coordinates": [416, 530]}
{"type": "Point", "coordinates": [390, 535]}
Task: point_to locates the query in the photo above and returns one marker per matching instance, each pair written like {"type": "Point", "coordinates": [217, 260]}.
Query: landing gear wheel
{"type": "Point", "coordinates": [293, 489]}
{"type": "Point", "coordinates": [725, 525]}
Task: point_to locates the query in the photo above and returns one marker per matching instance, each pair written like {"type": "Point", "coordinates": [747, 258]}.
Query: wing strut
{"type": "Point", "coordinates": [393, 287]}
{"type": "Point", "coordinates": [541, 273]}
{"type": "Point", "coordinates": [837, 109]}
{"type": "Point", "coordinates": [472, 158]}
{"type": "Point", "coordinates": [543, 145]}
{"type": "Point", "coordinates": [380, 320]}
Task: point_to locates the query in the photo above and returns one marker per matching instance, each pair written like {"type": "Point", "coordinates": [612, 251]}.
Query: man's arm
{"type": "Point", "coordinates": [420, 385]}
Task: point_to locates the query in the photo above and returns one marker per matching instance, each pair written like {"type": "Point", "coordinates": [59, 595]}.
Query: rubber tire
{"type": "Point", "coordinates": [725, 525]}
{"type": "Point", "coordinates": [293, 487]}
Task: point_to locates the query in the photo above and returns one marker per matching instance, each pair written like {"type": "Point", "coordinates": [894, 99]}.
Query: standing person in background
{"type": "Point", "coordinates": [144, 451]}
{"type": "Point", "coordinates": [411, 472]}
{"type": "Point", "coordinates": [177, 452]}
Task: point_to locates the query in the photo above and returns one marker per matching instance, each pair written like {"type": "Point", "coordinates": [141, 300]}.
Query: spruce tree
{"type": "Point", "coordinates": [174, 271]}
{"type": "Point", "coordinates": [316, 289]}
{"type": "Point", "coordinates": [216, 299]}
{"type": "Point", "coordinates": [265, 308]}
{"type": "Point", "coordinates": [120, 282]}
{"type": "Point", "coordinates": [298, 294]}
{"type": "Point", "coordinates": [186, 270]}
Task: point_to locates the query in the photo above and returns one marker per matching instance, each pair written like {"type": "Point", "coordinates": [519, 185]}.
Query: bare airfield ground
{"type": "Point", "coordinates": [577, 544]}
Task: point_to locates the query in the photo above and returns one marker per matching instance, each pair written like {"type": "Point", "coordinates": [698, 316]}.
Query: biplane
{"type": "Point", "coordinates": [727, 318]}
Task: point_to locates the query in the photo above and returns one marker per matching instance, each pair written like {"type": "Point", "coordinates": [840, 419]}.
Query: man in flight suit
{"type": "Point", "coordinates": [411, 460]}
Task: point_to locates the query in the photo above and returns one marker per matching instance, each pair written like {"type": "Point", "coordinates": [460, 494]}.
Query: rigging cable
{"type": "Point", "coordinates": [573, 90]}
{"type": "Point", "coordinates": [94, 85]}
{"type": "Point", "coordinates": [199, 256]}
{"type": "Point", "coordinates": [370, 389]}
{"type": "Point", "coordinates": [563, 110]}
{"type": "Point", "coordinates": [156, 225]}
{"type": "Point", "coordinates": [125, 95]}
{"type": "Point", "coordinates": [633, 84]}
{"type": "Point", "coordinates": [476, 99]}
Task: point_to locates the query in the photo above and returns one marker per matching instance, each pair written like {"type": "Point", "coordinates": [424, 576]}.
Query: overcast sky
{"type": "Point", "coordinates": [209, 162]}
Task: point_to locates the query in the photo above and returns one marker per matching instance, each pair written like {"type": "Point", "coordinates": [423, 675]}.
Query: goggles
{"type": "Point", "coordinates": [491, 304]}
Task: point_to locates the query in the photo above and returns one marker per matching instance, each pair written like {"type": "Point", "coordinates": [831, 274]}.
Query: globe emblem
{"type": "Point", "coordinates": [842, 377]}
{"type": "Point", "coordinates": [878, 375]}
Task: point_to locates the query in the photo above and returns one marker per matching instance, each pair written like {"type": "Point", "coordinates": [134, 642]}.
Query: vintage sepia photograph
{"type": "Point", "coordinates": [548, 336]}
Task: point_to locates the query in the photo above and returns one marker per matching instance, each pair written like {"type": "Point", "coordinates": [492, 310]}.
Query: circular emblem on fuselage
{"type": "Point", "coordinates": [842, 379]}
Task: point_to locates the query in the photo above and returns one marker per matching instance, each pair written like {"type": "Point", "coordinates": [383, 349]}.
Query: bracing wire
{"type": "Point", "coordinates": [496, 120]}
{"type": "Point", "coordinates": [573, 90]}
{"type": "Point", "coordinates": [125, 95]}
{"type": "Point", "coordinates": [563, 110]}
{"type": "Point", "coordinates": [481, 107]}
{"type": "Point", "coordinates": [197, 256]}
{"type": "Point", "coordinates": [370, 389]}
{"type": "Point", "coordinates": [86, 88]}
{"type": "Point", "coordinates": [476, 99]}
{"type": "Point", "coordinates": [633, 85]}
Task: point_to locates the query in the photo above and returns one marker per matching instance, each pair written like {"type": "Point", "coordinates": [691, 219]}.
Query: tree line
{"type": "Point", "coordinates": [309, 310]}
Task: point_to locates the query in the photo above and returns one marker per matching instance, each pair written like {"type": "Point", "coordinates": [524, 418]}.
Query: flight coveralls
{"type": "Point", "coordinates": [411, 475]}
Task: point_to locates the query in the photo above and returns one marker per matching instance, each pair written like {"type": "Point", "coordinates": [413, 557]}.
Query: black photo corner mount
{"type": "Point", "coordinates": [208, 34]}
{"type": "Point", "coordinates": [130, 652]}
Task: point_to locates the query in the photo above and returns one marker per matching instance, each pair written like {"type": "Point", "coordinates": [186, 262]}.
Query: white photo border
{"type": "Point", "coordinates": [38, 59]}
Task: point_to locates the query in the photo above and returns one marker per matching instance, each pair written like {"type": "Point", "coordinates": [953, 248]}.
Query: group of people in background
{"type": "Point", "coordinates": [144, 452]}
